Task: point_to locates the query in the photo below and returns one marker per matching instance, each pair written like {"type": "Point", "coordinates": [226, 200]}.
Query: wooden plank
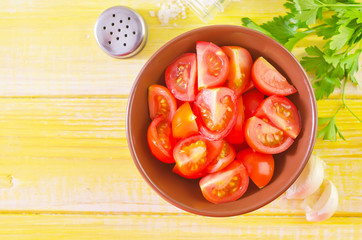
{"type": "Point", "coordinates": [173, 227]}
{"type": "Point", "coordinates": [64, 155]}
{"type": "Point", "coordinates": [49, 49]}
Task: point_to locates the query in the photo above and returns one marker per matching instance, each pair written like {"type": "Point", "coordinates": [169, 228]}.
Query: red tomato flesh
{"type": "Point", "coordinates": [226, 156]}
{"type": "Point", "coordinates": [161, 102]}
{"type": "Point", "coordinates": [265, 138]}
{"type": "Point", "coordinates": [193, 176]}
{"type": "Point", "coordinates": [236, 135]}
{"type": "Point", "coordinates": [226, 185]}
{"type": "Point", "coordinates": [160, 141]}
{"type": "Point", "coordinates": [268, 80]}
{"type": "Point", "coordinates": [240, 63]}
{"type": "Point", "coordinates": [193, 154]}
{"type": "Point", "coordinates": [251, 100]}
{"type": "Point", "coordinates": [260, 166]}
{"type": "Point", "coordinates": [184, 123]}
{"type": "Point", "coordinates": [282, 113]}
{"type": "Point", "coordinates": [181, 77]}
{"type": "Point", "coordinates": [212, 65]}
{"type": "Point", "coordinates": [216, 111]}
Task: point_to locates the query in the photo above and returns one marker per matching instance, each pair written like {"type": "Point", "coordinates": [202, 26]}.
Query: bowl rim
{"type": "Point", "coordinates": [185, 207]}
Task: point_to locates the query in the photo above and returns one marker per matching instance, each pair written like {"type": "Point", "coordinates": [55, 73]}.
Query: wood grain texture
{"type": "Point", "coordinates": [141, 227]}
{"type": "Point", "coordinates": [65, 168]}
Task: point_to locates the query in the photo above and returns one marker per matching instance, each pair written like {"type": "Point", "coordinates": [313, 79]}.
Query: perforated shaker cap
{"type": "Point", "coordinates": [121, 32]}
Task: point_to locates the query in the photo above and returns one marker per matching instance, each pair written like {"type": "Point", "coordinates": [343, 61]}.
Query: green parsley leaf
{"type": "Point", "coordinates": [340, 27]}
{"type": "Point", "coordinates": [247, 22]}
{"type": "Point", "coordinates": [329, 131]}
{"type": "Point", "coordinates": [339, 40]}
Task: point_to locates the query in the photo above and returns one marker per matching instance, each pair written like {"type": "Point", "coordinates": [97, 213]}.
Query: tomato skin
{"type": "Point", "coordinates": [180, 77]}
{"type": "Point", "coordinates": [194, 176]}
{"type": "Point", "coordinates": [220, 187]}
{"type": "Point", "coordinates": [217, 107]}
{"type": "Point", "coordinates": [155, 144]}
{"type": "Point", "coordinates": [252, 100]}
{"type": "Point", "coordinates": [224, 158]}
{"type": "Point", "coordinates": [249, 86]}
{"type": "Point", "coordinates": [184, 123]}
{"type": "Point", "coordinates": [240, 63]}
{"type": "Point", "coordinates": [268, 80]}
{"type": "Point", "coordinates": [282, 113]}
{"type": "Point", "coordinates": [236, 135]}
{"type": "Point", "coordinates": [212, 65]}
{"type": "Point", "coordinates": [265, 138]}
{"type": "Point", "coordinates": [161, 102]}
{"type": "Point", "coordinates": [260, 166]}
{"type": "Point", "coordinates": [193, 154]}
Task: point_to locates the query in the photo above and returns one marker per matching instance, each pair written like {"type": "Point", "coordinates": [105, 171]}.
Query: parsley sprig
{"type": "Point", "coordinates": [339, 24]}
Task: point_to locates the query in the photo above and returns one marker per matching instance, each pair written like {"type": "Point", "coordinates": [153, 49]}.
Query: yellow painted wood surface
{"type": "Point", "coordinates": [63, 148]}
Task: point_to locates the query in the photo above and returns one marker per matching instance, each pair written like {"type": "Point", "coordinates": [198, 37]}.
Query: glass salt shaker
{"type": "Point", "coordinates": [207, 9]}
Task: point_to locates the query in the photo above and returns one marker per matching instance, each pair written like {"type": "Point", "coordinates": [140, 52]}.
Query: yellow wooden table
{"type": "Point", "coordinates": [65, 168]}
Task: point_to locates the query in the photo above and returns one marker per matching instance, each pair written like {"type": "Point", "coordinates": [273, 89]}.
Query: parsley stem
{"type": "Point", "coordinates": [315, 27]}
{"type": "Point", "coordinates": [340, 107]}
{"type": "Point", "coordinates": [344, 102]}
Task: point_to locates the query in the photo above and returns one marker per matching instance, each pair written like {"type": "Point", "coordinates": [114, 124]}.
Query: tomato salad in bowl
{"type": "Point", "coordinates": [196, 113]}
{"type": "Point", "coordinates": [220, 118]}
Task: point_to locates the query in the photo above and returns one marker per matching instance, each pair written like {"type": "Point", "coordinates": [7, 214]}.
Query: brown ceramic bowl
{"type": "Point", "coordinates": [184, 193]}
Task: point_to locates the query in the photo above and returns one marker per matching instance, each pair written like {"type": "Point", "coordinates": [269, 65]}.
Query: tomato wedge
{"type": "Point", "coordinates": [226, 185]}
{"type": "Point", "coordinates": [161, 102]}
{"type": "Point", "coordinates": [236, 135]}
{"type": "Point", "coordinates": [240, 63]}
{"type": "Point", "coordinates": [192, 176]}
{"type": "Point", "coordinates": [252, 100]}
{"type": "Point", "coordinates": [282, 113]}
{"type": "Point", "coordinates": [193, 154]}
{"type": "Point", "coordinates": [160, 141]}
{"type": "Point", "coordinates": [268, 80]}
{"type": "Point", "coordinates": [216, 111]}
{"type": "Point", "coordinates": [265, 138]}
{"type": "Point", "coordinates": [184, 123]}
{"type": "Point", "coordinates": [260, 166]}
{"type": "Point", "coordinates": [181, 77]}
{"type": "Point", "coordinates": [212, 65]}
{"type": "Point", "coordinates": [226, 156]}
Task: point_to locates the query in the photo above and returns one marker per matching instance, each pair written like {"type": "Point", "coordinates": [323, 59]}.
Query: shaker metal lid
{"type": "Point", "coordinates": [121, 32]}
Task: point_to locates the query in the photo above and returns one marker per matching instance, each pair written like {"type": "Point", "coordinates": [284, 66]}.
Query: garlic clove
{"type": "Point", "coordinates": [322, 204]}
{"type": "Point", "coordinates": [309, 180]}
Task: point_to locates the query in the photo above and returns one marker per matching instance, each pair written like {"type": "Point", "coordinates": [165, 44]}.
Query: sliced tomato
{"type": "Point", "coordinates": [240, 63]}
{"type": "Point", "coordinates": [265, 138]}
{"type": "Point", "coordinates": [249, 86]}
{"type": "Point", "coordinates": [159, 138]}
{"type": "Point", "coordinates": [184, 123]}
{"type": "Point", "coordinates": [260, 166]}
{"type": "Point", "coordinates": [161, 102]}
{"type": "Point", "coordinates": [193, 176]}
{"type": "Point", "coordinates": [252, 100]}
{"type": "Point", "coordinates": [216, 112]}
{"type": "Point", "coordinates": [268, 80]}
{"type": "Point", "coordinates": [226, 156]}
{"type": "Point", "coordinates": [226, 185]}
{"type": "Point", "coordinates": [214, 148]}
{"type": "Point", "coordinates": [212, 65]}
{"type": "Point", "coordinates": [282, 113]}
{"type": "Point", "coordinates": [180, 77]}
{"type": "Point", "coordinates": [236, 135]}
{"type": "Point", "coordinates": [193, 154]}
